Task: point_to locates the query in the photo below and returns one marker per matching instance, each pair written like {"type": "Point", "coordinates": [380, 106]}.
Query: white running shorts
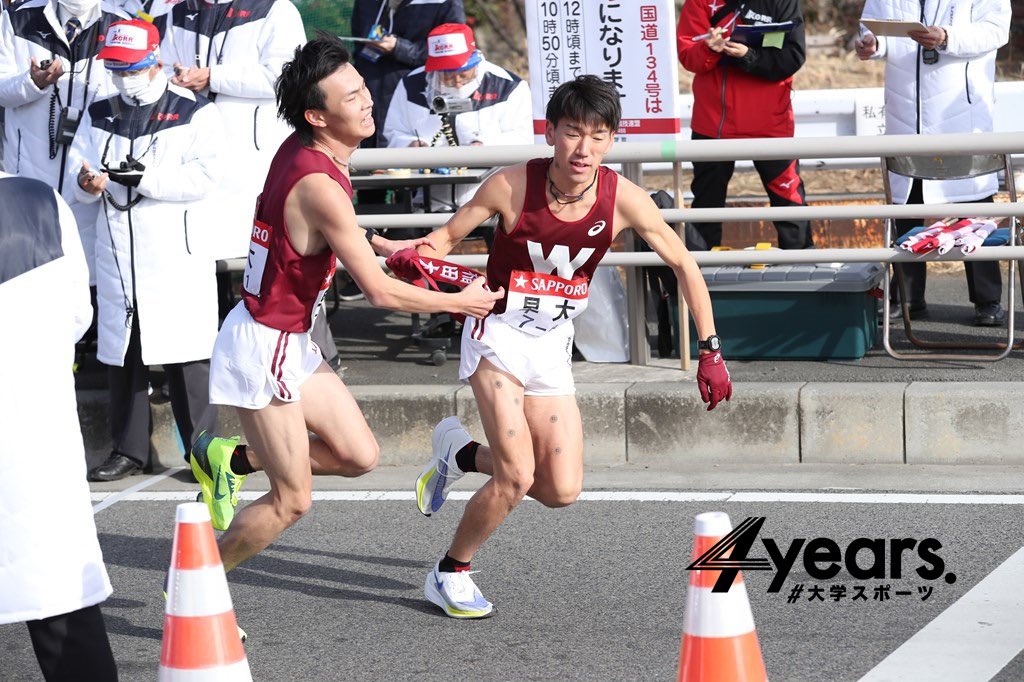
{"type": "Point", "coordinates": [542, 364]}
{"type": "Point", "coordinates": [253, 363]}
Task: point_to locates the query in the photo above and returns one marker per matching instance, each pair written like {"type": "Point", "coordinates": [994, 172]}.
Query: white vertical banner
{"type": "Point", "coordinates": [628, 43]}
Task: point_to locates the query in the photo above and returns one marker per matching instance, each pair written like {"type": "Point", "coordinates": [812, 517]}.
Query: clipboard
{"type": "Point", "coordinates": [892, 28]}
{"type": "Point", "coordinates": [754, 35]}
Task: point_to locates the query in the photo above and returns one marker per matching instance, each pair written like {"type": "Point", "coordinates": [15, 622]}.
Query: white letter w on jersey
{"type": "Point", "coordinates": [558, 259]}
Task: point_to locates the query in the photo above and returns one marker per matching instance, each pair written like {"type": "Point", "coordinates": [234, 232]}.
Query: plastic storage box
{"type": "Point", "coordinates": [794, 311]}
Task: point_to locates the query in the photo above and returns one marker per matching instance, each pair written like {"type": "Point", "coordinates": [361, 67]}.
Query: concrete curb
{"type": "Point", "coordinates": [666, 424]}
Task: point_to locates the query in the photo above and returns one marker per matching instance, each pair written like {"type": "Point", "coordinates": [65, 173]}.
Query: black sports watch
{"type": "Point", "coordinates": [712, 343]}
{"type": "Point", "coordinates": [370, 233]}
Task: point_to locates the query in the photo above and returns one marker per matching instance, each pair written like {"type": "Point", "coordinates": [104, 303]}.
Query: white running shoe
{"type": "Point", "coordinates": [436, 480]}
{"type": "Point", "coordinates": [457, 594]}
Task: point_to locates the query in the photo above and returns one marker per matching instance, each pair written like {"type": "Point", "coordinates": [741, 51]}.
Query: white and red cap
{"type": "Point", "coordinates": [451, 47]}
{"type": "Point", "coordinates": [130, 41]}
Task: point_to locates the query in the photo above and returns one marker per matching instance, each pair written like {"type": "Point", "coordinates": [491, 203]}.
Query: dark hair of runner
{"type": "Point", "coordinates": [585, 99]}
{"type": "Point", "coordinates": [298, 86]}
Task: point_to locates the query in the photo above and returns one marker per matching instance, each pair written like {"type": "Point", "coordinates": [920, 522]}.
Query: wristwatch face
{"type": "Point", "coordinates": [713, 343]}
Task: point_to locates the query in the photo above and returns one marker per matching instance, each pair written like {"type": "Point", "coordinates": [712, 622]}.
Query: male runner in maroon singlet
{"type": "Point", "coordinates": [264, 362]}
{"type": "Point", "coordinates": [557, 218]}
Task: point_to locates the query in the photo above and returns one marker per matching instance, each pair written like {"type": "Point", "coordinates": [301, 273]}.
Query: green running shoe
{"type": "Point", "coordinates": [211, 465]}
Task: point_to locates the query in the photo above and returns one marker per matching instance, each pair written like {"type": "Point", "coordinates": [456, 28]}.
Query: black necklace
{"type": "Point", "coordinates": [564, 198]}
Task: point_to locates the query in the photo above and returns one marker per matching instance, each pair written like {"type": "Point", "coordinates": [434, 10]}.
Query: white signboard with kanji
{"type": "Point", "coordinates": [629, 43]}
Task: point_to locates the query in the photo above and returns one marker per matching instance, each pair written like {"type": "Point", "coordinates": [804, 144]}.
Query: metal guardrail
{"type": "Point", "coordinates": [770, 257]}
{"type": "Point", "coordinates": [699, 215]}
{"type": "Point", "coordinates": [633, 155]}
{"type": "Point", "coordinates": [961, 144]}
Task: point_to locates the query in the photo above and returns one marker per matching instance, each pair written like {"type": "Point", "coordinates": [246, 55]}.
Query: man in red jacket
{"type": "Point", "coordinates": [742, 88]}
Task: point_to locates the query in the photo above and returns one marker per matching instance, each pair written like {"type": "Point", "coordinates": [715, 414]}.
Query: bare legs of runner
{"type": "Point", "coordinates": [281, 446]}
{"type": "Point", "coordinates": [535, 448]}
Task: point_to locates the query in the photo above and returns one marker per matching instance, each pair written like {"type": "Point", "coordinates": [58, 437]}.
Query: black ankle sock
{"type": "Point", "coordinates": [465, 458]}
{"type": "Point", "coordinates": [450, 565]}
{"type": "Point", "coordinates": [240, 462]}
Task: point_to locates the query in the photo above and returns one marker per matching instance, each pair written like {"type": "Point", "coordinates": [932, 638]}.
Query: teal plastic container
{"type": "Point", "coordinates": [794, 311]}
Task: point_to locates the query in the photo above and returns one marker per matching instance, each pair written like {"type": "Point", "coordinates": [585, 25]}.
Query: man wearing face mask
{"type": "Point", "coordinates": [458, 99]}
{"type": "Point", "coordinates": [148, 156]}
{"type": "Point", "coordinates": [48, 77]}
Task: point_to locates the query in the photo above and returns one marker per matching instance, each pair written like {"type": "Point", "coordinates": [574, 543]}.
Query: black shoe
{"type": "Point", "coordinates": [350, 291]}
{"type": "Point", "coordinates": [918, 311]}
{"type": "Point", "coordinates": [115, 468]}
{"type": "Point", "coordinates": [989, 315]}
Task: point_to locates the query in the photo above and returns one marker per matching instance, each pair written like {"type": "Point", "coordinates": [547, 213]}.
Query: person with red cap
{"type": "Point", "coordinates": [149, 156]}
{"type": "Point", "coordinates": [458, 98]}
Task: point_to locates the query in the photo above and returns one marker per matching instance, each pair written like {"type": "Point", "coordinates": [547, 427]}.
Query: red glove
{"type": "Point", "coordinates": [713, 379]}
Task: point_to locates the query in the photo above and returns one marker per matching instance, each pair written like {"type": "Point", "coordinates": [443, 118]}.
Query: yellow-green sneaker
{"type": "Point", "coordinates": [211, 465]}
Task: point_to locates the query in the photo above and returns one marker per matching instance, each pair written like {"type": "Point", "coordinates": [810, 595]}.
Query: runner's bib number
{"type": "Point", "coordinates": [324, 286]}
{"type": "Point", "coordinates": [538, 303]}
{"type": "Point", "coordinates": [256, 263]}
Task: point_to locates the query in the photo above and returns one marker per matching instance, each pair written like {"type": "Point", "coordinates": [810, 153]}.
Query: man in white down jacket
{"type": "Point", "coordinates": [51, 569]}
{"type": "Point", "coordinates": [942, 80]}
{"type": "Point", "coordinates": [232, 52]}
{"type": "Point", "coordinates": [149, 155]}
{"type": "Point", "coordinates": [499, 104]}
{"type": "Point", "coordinates": [65, 33]}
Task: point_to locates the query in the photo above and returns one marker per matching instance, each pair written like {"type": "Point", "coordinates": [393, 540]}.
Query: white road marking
{"type": "Point", "coordinates": [108, 499]}
{"type": "Point", "coordinates": [971, 640]}
{"type": "Point", "coordinates": [133, 495]}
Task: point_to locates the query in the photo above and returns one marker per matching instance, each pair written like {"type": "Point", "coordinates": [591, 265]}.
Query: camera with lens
{"type": "Point", "coordinates": [451, 105]}
{"type": "Point", "coordinates": [67, 124]}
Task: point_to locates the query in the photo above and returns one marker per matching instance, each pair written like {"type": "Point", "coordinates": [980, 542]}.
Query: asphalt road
{"type": "Point", "coordinates": [593, 591]}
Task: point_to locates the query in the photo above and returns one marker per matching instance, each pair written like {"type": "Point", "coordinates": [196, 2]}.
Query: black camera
{"type": "Point", "coordinates": [67, 124]}
{"type": "Point", "coordinates": [45, 64]}
{"type": "Point", "coordinates": [451, 105]}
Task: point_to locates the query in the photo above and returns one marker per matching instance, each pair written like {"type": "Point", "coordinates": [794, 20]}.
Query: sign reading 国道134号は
{"type": "Point", "coordinates": [629, 43]}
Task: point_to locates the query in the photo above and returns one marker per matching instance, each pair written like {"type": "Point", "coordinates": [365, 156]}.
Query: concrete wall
{"type": "Point", "coordinates": [662, 424]}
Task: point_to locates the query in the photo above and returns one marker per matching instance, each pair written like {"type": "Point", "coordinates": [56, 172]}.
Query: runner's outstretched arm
{"type": "Point", "coordinates": [494, 196]}
{"type": "Point", "coordinates": [638, 211]}
{"type": "Point", "coordinates": [331, 213]}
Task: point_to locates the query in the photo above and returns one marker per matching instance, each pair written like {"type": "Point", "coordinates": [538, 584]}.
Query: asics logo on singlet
{"type": "Point", "coordinates": [557, 260]}
{"type": "Point", "coordinates": [596, 229]}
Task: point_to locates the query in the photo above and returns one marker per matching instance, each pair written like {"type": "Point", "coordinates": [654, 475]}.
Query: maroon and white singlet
{"type": "Point", "coordinates": [546, 264]}
{"type": "Point", "coordinates": [282, 289]}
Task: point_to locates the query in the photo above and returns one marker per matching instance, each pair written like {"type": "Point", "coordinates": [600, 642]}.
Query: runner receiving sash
{"type": "Point", "coordinates": [556, 219]}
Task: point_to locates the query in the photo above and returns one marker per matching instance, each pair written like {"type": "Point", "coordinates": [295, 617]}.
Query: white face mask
{"type": "Point", "coordinates": [438, 88]}
{"type": "Point", "coordinates": [79, 8]}
{"type": "Point", "coordinates": [133, 86]}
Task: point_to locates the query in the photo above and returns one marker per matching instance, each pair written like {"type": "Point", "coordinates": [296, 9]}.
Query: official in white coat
{"type": "Point", "coordinates": [495, 108]}
{"type": "Point", "coordinates": [51, 569]}
{"type": "Point", "coordinates": [942, 80]}
{"type": "Point", "coordinates": [42, 105]}
{"type": "Point", "coordinates": [233, 52]}
{"type": "Point", "coordinates": [149, 156]}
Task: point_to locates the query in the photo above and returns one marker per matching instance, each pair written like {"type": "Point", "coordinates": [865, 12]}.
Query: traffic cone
{"type": "Point", "coordinates": [200, 633]}
{"type": "Point", "coordinates": [719, 640]}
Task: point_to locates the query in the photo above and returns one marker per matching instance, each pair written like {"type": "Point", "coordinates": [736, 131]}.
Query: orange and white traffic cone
{"type": "Point", "coordinates": [200, 633]}
{"type": "Point", "coordinates": [719, 640]}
